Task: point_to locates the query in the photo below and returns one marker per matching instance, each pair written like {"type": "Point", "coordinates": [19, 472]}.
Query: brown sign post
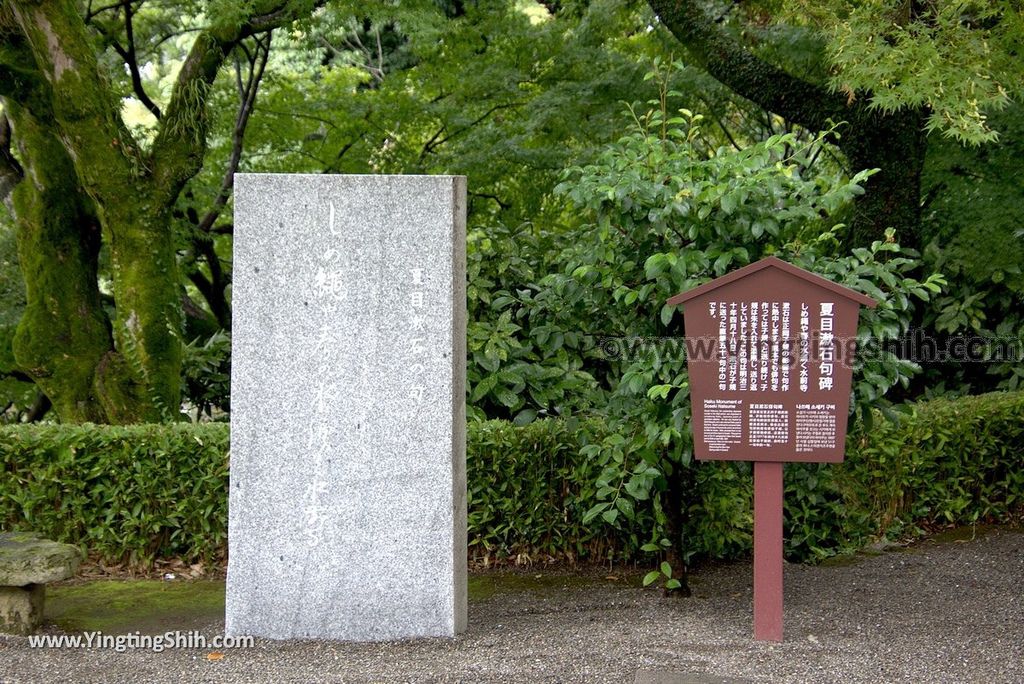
{"type": "Point", "coordinates": [770, 353]}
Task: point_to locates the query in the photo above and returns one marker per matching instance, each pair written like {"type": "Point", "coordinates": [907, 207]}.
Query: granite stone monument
{"type": "Point", "coordinates": [347, 514]}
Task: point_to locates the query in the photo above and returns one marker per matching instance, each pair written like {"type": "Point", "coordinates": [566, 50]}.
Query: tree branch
{"type": "Point", "coordinates": [718, 120]}
{"type": "Point", "coordinates": [133, 62]}
{"type": "Point", "coordinates": [181, 142]}
{"type": "Point", "coordinates": [299, 115]}
{"type": "Point", "coordinates": [83, 108]}
{"type": "Point", "coordinates": [333, 166]}
{"type": "Point", "coordinates": [91, 13]}
{"type": "Point", "coordinates": [808, 104]}
{"type": "Point", "coordinates": [428, 147]}
{"type": "Point", "coordinates": [245, 109]}
{"type": "Point", "coordinates": [494, 198]}
{"type": "Point", "coordinates": [214, 296]}
{"type": "Point", "coordinates": [40, 407]}
{"type": "Point", "coordinates": [380, 53]}
{"type": "Point", "coordinates": [436, 141]}
{"type": "Point", "coordinates": [156, 43]}
{"type": "Point", "coordinates": [213, 288]}
{"type": "Point", "coordinates": [16, 374]}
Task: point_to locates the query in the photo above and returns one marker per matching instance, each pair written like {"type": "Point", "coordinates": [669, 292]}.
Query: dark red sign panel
{"type": "Point", "coordinates": [770, 353]}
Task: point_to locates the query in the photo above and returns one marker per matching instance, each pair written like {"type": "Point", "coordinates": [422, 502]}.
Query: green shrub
{"type": "Point", "coordinates": [155, 491]}
{"type": "Point", "coordinates": [130, 493]}
{"type": "Point", "coordinates": [529, 489]}
{"type": "Point", "coordinates": [666, 213]}
{"type": "Point", "coordinates": [947, 461]}
{"type": "Point", "coordinates": [956, 461]}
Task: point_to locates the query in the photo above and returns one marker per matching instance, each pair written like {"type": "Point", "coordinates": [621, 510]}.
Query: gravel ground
{"type": "Point", "coordinates": [950, 611]}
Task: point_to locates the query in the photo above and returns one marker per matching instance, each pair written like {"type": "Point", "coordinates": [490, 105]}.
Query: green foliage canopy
{"type": "Point", "coordinates": [959, 60]}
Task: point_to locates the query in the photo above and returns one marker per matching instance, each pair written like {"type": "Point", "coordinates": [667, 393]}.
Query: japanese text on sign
{"type": "Point", "coordinates": [417, 324]}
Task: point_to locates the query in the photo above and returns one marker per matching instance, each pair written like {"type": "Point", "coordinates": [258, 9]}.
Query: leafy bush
{"type": "Point", "coordinates": [668, 215]}
{"type": "Point", "coordinates": [529, 490]}
{"type": "Point", "coordinates": [144, 492]}
{"type": "Point", "coordinates": [206, 373]}
{"type": "Point", "coordinates": [947, 461]}
{"type": "Point", "coordinates": [518, 367]}
{"type": "Point", "coordinates": [955, 461]}
{"type": "Point", "coordinates": [131, 493]}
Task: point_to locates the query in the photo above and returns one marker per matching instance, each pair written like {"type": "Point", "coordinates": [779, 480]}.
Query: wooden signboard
{"type": "Point", "coordinates": [770, 353]}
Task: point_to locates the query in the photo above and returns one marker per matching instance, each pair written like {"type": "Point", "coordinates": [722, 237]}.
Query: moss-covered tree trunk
{"type": "Point", "coordinates": [87, 177]}
{"type": "Point", "coordinates": [142, 381]}
{"type": "Point", "coordinates": [91, 370]}
{"type": "Point", "coordinates": [136, 377]}
{"type": "Point", "coordinates": [64, 332]}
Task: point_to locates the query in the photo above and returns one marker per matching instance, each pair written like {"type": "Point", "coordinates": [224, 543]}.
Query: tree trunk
{"type": "Point", "coordinates": [144, 383]}
{"type": "Point", "coordinates": [86, 170]}
{"type": "Point", "coordinates": [64, 340]}
{"type": "Point", "coordinates": [64, 332]}
{"type": "Point", "coordinates": [136, 377]}
{"type": "Point", "coordinates": [895, 144]}
{"type": "Point", "coordinates": [675, 501]}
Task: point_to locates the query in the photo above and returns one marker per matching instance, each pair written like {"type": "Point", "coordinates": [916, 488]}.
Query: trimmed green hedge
{"type": "Point", "coordinates": [528, 490]}
{"type": "Point", "coordinates": [131, 493]}
{"type": "Point", "coordinates": [955, 461]}
{"type": "Point", "coordinates": [950, 461]}
{"type": "Point", "coordinates": [142, 492]}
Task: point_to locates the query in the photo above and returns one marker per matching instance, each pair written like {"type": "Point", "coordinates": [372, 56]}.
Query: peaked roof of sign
{"type": "Point", "coordinates": [773, 262]}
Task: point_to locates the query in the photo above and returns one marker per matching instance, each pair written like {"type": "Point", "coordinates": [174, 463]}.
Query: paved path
{"type": "Point", "coordinates": [950, 611]}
